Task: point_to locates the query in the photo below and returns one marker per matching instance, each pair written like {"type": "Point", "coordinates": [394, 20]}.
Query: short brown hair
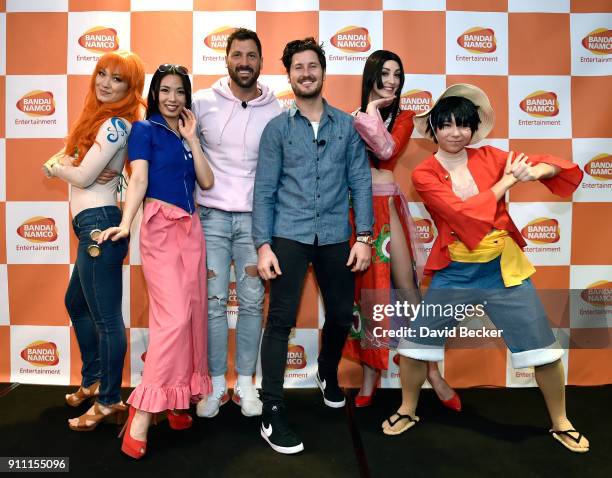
{"type": "Point", "coordinates": [243, 34]}
{"type": "Point", "coordinates": [298, 46]}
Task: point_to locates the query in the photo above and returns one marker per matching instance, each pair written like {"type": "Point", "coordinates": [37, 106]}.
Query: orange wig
{"type": "Point", "coordinates": [131, 107]}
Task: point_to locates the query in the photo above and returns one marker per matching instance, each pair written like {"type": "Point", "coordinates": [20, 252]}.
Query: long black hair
{"type": "Point", "coordinates": [372, 75]}
{"type": "Point", "coordinates": [165, 70]}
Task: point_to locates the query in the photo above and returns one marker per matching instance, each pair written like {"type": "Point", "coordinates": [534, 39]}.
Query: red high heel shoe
{"type": "Point", "coordinates": [179, 421]}
{"type": "Point", "coordinates": [366, 400]}
{"type": "Point", "coordinates": [454, 403]}
{"type": "Point", "coordinates": [130, 446]}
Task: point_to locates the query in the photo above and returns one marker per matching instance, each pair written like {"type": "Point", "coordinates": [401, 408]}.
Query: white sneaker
{"type": "Point", "coordinates": [208, 407]}
{"type": "Point", "coordinates": [248, 400]}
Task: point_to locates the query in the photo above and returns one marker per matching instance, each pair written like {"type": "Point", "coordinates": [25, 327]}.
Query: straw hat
{"type": "Point", "coordinates": [476, 96]}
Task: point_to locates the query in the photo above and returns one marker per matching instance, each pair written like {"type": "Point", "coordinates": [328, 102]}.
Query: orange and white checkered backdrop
{"type": "Point", "coordinates": [546, 65]}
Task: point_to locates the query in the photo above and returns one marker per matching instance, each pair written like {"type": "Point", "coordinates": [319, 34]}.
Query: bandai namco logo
{"type": "Point", "coordinates": [100, 40]}
{"type": "Point", "coordinates": [599, 41]}
{"type": "Point", "coordinates": [37, 103]}
{"type": "Point", "coordinates": [38, 229]}
{"type": "Point", "coordinates": [41, 354]}
{"type": "Point", "coordinates": [352, 39]}
{"type": "Point", "coordinates": [600, 167]}
{"type": "Point", "coordinates": [286, 97]}
{"type": "Point", "coordinates": [540, 104]}
{"type": "Point", "coordinates": [296, 357]}
{"type": "Point", "coordinates": [478, 40]}
{"type": "Point", "coordinates": [424, 230]}
{"type": "Point", "coordinates": [542, 230]}
{"type": "Point", "coordinates": [416, 100]}
{"type": "Point", "coordinates": [217, 39]}
{"type": "Point", "coordinates": [232, 296]}
{"type": "Point", "coordinates": [598, 294]}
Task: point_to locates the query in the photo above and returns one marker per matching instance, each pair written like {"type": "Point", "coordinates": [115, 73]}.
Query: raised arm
{"type": "Point", "coordinates": [560, 176]}
{"type": "Point", "coordinates": [477, 213]}
{"type": "Point", "coordinates": [188, 130]}
{"type": "Point", "coordinates": [195, 109]}
{"type": "Point", "coordinates": [383, 144]}
{"type": "Point", "coordinates": [112, 137]}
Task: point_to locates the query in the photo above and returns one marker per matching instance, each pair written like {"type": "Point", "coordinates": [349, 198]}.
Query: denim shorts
{"type": "Point", "coordinates": [516, 311]}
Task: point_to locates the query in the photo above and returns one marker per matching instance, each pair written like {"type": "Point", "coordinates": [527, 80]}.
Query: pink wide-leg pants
{"type": "Point", "coordinates": [173, 256]}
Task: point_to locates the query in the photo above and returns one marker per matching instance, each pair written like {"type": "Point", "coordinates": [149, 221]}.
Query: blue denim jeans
{"type": "Point", "coordinates": [228, 236]}
{"type": "Point", "coordinates": [93, 301]}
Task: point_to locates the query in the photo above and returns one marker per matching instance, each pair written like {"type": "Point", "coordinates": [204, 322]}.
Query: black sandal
{"type": "Point", "coordinates": [409, 424]}
{"type": "Point", "coordinates": [576, 449]}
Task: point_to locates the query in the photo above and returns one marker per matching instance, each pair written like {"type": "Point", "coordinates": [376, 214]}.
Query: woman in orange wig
{"type": "Point", "coordinates": [96, 146]}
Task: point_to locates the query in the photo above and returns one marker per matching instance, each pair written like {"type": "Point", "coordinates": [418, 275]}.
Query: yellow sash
{"type": "Point", "coordinates": [515, 267]}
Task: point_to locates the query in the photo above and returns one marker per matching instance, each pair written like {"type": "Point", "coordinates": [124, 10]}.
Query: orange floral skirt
{"type": "Point", "coordinates": [362, 345]}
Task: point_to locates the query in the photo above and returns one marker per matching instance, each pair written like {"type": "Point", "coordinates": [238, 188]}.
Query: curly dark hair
{"type": "Point", "coordinates": [242, 34]}
{"type": "Point", "coordinates": [298, 46]}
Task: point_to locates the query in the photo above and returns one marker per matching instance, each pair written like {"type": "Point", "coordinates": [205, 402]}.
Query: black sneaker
{"type": "Point", "coordinates": [332, 394]}
{"type": "Point", "coordinates": [275, 430]}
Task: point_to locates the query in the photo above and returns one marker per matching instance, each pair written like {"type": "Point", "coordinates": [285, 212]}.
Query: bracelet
{"type": "Point", "coordinates": [48, 165]}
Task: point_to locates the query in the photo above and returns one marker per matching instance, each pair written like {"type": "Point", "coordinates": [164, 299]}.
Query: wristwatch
{"type": "Point", "coordinates": [365, 237]}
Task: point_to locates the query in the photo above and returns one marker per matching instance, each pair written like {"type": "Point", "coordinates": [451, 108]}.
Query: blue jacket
{"type": "Point", "coordinates": [302, 184]}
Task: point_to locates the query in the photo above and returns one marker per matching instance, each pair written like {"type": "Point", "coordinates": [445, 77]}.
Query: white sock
{"type": "Point", "coordinates": [245, 381]}
{"type": "Point", "coordinates": [218, 384]}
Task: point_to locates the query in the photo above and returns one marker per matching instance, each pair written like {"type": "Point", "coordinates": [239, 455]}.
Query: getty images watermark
{"type": "Point", "coordinates": [409, 311]}
{"type": "Point", "coordinates": [384, 316]}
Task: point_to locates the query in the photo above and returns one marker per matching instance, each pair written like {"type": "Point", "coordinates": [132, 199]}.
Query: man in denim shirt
{"type": "Point", "coordinates": [310, 158]}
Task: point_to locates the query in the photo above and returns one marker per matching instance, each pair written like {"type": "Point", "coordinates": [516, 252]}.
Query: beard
{"type": "Point", "coordinates": [306, 95]}
{"type": "Point", "coordinates": [243, 82]}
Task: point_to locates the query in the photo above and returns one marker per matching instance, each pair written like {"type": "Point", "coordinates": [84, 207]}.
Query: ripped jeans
{"type": "Point", "coordinates": [228, 236]}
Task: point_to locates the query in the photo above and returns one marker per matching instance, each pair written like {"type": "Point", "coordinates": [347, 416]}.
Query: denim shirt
{"type": "Point", "coordinates": [302, 184]}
